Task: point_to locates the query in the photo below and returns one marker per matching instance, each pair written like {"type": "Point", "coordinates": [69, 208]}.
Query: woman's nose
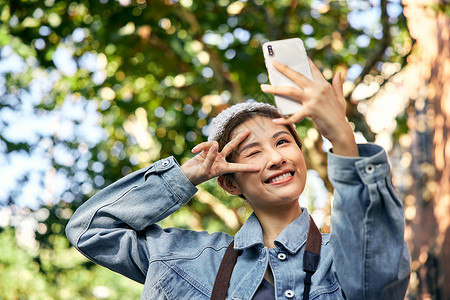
{"type": "Point", "coordinates": [275, 159]}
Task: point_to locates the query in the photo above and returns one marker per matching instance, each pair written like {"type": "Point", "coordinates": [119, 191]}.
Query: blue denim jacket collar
{"type": "Point", "coordinates": [291, 238]}
{"type": "Point", "coordinates": [249, 235]}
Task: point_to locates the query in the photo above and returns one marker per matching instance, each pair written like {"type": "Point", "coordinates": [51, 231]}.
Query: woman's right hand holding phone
{"type": "Point", "coordinates": [323, 102]}
{"type": "Point", "coordinates": [210, 163]}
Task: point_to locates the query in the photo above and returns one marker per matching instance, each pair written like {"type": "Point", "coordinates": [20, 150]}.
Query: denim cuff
{"type": "Point", "coordinates": [370, 166]}
{"type": "Point", "coordinates": [170, 171]}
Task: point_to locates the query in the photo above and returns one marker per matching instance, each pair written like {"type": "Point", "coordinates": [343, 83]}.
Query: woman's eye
{"type": "Point", "coordinates": [253, 153]}
{"type": "Point", "coordinates": [283, 141]}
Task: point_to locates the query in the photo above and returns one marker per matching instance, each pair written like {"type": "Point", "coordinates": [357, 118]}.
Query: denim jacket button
{"type": "Point", "coordinates": [370, 169]}
{"type": "Point", "coordinates": [289, 293]}
{"type": "Point", "coordinates": [281, 256]}
{"type": "Point", "coordinates": [165, 163]}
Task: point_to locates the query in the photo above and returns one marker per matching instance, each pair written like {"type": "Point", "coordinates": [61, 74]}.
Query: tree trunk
{"type": "Point", "coordinates": [427, 204]}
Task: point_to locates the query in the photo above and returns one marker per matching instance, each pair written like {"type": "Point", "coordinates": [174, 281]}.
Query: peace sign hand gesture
{"type": "Point", "coordinates": [209, 163]}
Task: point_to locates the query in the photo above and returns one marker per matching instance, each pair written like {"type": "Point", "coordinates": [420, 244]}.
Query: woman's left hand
{"type": "Point", "coordinates": [323, 102]}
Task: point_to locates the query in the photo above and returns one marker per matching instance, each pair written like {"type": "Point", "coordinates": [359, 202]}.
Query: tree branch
{"type": "Point", "coordinates": [351, 110]}
{"type": "Point", "coordinates": [224, 78]}
{"type": "Point", "coordinates": [273, 34]}
{"type": "Point", "coordinates": [385, 42]}
{"type": "Point", "coordinates": [220, 210]}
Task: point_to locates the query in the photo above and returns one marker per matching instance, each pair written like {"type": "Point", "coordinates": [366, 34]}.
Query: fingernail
{"type": "Point", "coordinates": [264, 86]}
{"type": "Point", "coordinates": [278, 120]}
{"type": "Point", "coordinates": [194, 149]}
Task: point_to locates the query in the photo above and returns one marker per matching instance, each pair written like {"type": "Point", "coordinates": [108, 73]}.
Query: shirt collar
{"type": "Point", "coordinates": [291, 238]}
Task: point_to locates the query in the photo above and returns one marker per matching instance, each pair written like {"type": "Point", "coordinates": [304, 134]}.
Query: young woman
{"type": "Point", "coordinates": [256, 154]}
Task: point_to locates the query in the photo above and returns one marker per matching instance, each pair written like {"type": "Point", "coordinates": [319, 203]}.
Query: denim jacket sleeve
{"type": "Point", "coordinates": [112, 228]}
{"type": "Point", "coordinates": [371, 259]}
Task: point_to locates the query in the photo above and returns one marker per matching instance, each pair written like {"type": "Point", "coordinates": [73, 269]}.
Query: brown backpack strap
{"type": "Point", "coordinates": [314, 239]}
{"type": "Point", "coordinates": [311, 259]}
{"type": "Point", "coordinates": [311, 256]}
{"type": "Point", "coordinates": [224, 274]}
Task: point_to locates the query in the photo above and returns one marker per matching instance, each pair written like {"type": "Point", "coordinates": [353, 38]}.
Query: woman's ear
{"type": "Point", "coordinates": [228, 184]}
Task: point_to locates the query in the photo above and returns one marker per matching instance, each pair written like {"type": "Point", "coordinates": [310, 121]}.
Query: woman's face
{"type": "Point", "coordinates": [282, 176]}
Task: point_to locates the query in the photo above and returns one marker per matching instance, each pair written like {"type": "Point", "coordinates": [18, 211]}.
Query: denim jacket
{"type": "Point", "coordinates": [364, 257]}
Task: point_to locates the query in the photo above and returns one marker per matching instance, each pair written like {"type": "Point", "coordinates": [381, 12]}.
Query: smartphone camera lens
{"type": "Point", "coordinates": [270, 49]}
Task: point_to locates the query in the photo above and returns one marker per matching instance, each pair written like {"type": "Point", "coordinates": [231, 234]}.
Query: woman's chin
{"type": "Point", "coordinates": [287, 196]}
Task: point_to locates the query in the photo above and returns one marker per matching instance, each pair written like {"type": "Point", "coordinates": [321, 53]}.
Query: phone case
{"type": "Point", "coordinates": [290, 52]}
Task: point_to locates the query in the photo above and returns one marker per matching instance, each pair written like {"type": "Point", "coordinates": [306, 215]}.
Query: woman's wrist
{"type": "Point", "coordinates": [188, 174]}
{"type": "Point", "coordinates": [344, 144]}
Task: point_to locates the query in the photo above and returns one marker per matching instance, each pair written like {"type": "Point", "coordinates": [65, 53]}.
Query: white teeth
{"type": "Point", "coordinates": [285, 175]}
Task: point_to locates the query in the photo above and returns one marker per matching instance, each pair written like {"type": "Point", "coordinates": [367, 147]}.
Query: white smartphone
{"type": "Point", "coordinates": [290, 52]}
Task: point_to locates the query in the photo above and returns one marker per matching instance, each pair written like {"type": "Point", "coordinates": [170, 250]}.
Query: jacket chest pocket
{"type": "Point", "coordinates": [332, 292]}
{"type": "Point", "coordinates": [174, 286]}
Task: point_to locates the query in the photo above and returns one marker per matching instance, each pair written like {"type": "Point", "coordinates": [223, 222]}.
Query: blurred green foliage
{"type": "Point", "coordinates": [160, 71]}
{"type": "Point", "coordinates": [59, 272]}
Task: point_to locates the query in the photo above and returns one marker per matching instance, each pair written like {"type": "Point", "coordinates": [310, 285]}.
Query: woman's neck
{"type": "Point", "coordinates": [274, 220]}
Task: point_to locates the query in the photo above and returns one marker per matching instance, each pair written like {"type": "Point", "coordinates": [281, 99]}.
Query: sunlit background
{"type": "Point", "coordinates": [93, 90]}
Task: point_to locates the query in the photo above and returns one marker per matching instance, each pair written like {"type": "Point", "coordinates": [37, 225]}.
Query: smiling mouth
{"type": "Point", "coordinates": [281, 178]}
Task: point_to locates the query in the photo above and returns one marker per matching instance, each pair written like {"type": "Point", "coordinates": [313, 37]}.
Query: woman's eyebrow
{"type": "Point", "coordinates": [254, 144]}
{"type": "Point", "coordinates": [280, 133]}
